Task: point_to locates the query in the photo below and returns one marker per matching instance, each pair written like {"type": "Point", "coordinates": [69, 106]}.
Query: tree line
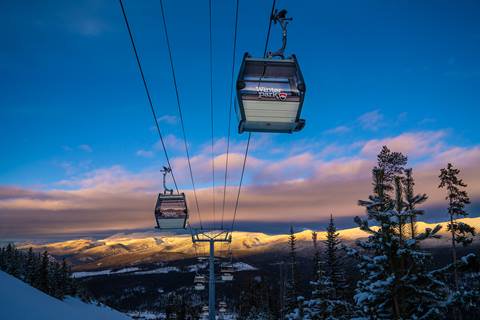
{"type": "Point", "coordinates": [41, 271]}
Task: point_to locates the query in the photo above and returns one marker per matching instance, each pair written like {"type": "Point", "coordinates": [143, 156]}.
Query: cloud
{"type": "Point", "coordinates": [90, 27]}
{"type": "Point", "coordinates": [168, 119]}
{"type": "Point", "coordinates": [413, 144]}
{"type": "Point", "coordinates": [85, 148]}
{"type": "Point", "coordinates": [292, 188]}
{"type": "Point", "coordinates": [172, 142]}
{"type": "Point", "coordinates": [371, 120]}
{"type": "Point", "coordinates": [144, 153]}
{"type": "Point", "coordinates": [338, 130]}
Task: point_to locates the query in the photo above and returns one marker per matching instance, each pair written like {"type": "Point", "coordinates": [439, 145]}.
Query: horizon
{"type": "Point", "coordinates": [81, 155]}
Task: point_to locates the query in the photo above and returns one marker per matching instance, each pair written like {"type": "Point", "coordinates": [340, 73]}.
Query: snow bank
{"type": "Point", "coordinates": [19, 301]}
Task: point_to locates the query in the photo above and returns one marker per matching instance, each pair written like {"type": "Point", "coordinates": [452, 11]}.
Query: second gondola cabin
{"type": "Point", "coordinates": [171, 211]}
{"type": "Point", "coordinates": [270, 95]}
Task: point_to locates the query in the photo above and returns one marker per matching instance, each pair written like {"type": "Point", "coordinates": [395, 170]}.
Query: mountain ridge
{"type": "Point", "coordinates": [125, 249]}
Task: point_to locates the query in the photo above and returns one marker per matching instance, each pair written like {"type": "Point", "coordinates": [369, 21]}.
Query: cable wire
{"type": "Point", "coordinates": [180, 112]}
{"type": "Point", "coordinates": [230, 108]}
{"type": "Point", "coordinates": [147, 91]}
{"type": "Point", "coordinates": [250, 134]}
{"type": "Point", "coordinates": [211, 107]}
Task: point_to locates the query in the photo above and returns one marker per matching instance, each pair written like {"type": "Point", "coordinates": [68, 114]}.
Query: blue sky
{"type": "Point", "coordinates": [72, 102]}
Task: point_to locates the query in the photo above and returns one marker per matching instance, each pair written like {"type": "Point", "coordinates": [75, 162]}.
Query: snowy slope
{"type": "Point", "coordinates": [19, 301]}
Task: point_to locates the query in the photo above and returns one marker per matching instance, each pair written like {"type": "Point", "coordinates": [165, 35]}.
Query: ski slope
{"type": "Point", "coordinates": [19, 301]}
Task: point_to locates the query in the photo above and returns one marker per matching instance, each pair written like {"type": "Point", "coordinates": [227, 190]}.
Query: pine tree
{"type": "Point", "coordinates": [292, 283]}
{"type": "Point", "coordinates": [30, 267]}
{"type": "Point", "coordinates": [457, 197]}
{"type": "Point", "coordinates": [327, 301]}
{"type": "Point", "coordinates": [316, 255]}
{"type": "Point", "coordinates": [412, 200]}
{"type": "Point", "coordinates": [392, 164]}
{"type": "Point", "coordinates": [394, 281]}
{"type": "Point", "coordinates": [65, 277]}
{"type": "Point", "coordinates": [333, 266]}
{"type": "Point", "coordinates": [12, 263]}
{"type": "Point", "coordinates": [43, 274]}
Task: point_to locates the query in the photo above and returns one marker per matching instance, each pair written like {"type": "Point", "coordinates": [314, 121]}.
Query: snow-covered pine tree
{"type": "Point", "coordinates": [394, 281]}
{"type": "Point", "coordinates": [326, 301]}
{"type": "Point", "coordinates": [457, 197]}
{"type": "Point", "coordinates": [323, 304]}
{"type": "Point", "coordinates": [412, 200]}
{"type": "Point", "coordinates": [392, 164]}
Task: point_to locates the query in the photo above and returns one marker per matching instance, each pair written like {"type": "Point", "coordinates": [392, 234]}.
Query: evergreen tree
{"type": "Point", "coordinates": [65, 276]}
{"type": "Point", "coordinates": [12, 263]}
{"type": "Point", "coordinates": [457, 199]}
{"type": "Point", "coordinates": [327, 301]}
{"type": "Point", "coordinates": [292, 283]}
{"type": "Point", "coordinates": [316, 255]}
{"type": "Point", "coordinates": [333, 266]}
{"type": "Point", "coordinates": [30, 268]}
{"type": "Point", "coordinates": [412, 200]}
{"type": "Point", "coordinates": [43, 274]}
{"type": "Point", "coordinates": [394, 281]}
{"type": "Point", "coordinates": [392, 164]}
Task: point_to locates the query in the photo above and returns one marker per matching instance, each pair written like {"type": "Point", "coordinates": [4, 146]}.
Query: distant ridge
{"type": "Point", "coordinates": [126, 249]}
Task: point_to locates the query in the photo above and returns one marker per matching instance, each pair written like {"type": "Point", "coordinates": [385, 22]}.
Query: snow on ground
{"type": "Point", "coordinates": [84, 274]}
{"type": "Point", "coordinates": [19, 301]}
{"type": "Point", "coordinates": [242, 266]}
{"type": "Point", "coordinates": [197, 267]}
{"type": "Point", "coordinates": [146, 315]}
{"type": "Point", "coordinates": [238, 266]}
{"type": "Point", "coordinates": [159, 270]}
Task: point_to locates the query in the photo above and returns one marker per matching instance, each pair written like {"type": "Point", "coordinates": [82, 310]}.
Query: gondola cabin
{"type": "Point", "coordinates": [270, 95]}
{"type": "Point", "coordinates": [227, 271]}
{"type": "Point", "coordinates": [227, 277]}
{"type": "Point", "coordinates": [171, 211]}
{"type": "Point", "coordinates": [199, 287]}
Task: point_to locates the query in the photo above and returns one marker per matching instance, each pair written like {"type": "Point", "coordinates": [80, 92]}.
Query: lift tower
{"type": "Point", "coordinates": [211, 238]}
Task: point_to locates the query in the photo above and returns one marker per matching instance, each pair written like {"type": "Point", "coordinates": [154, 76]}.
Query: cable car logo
{"type": "Point", "coordinates": [264, 92]}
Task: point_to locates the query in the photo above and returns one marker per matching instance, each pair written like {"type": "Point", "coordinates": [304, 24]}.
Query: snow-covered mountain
{"type": "Point", "coordinates": [141, 248]}
{"type": "Point", "coordinates": [19, 301]}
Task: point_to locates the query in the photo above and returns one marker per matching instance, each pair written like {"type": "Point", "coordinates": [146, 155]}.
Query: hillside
{"type": "Point", "coordinates": [19, 301]}
{"type": "Point", "coordinates": [142, 248]}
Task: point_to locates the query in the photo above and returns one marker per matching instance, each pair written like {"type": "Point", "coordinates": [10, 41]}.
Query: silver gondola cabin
{"type": "Point", "coordinates": [270, 91]}
{"type": "Point", "coordinates": [171, 211]}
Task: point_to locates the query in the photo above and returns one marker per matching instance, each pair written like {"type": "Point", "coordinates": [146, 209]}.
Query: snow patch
{"type": "Point", "coordinates": [159, 270]}
{"type": "Point", "coordinates": [83, 274]}
{"type": "Point", "coordinates": [242, 266]}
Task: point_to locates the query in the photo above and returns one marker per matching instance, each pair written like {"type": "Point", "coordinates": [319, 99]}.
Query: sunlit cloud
{"type": "Point", "coordinates": [414, 144]}
{"type": "Point", "coordinates": [292, 188]}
